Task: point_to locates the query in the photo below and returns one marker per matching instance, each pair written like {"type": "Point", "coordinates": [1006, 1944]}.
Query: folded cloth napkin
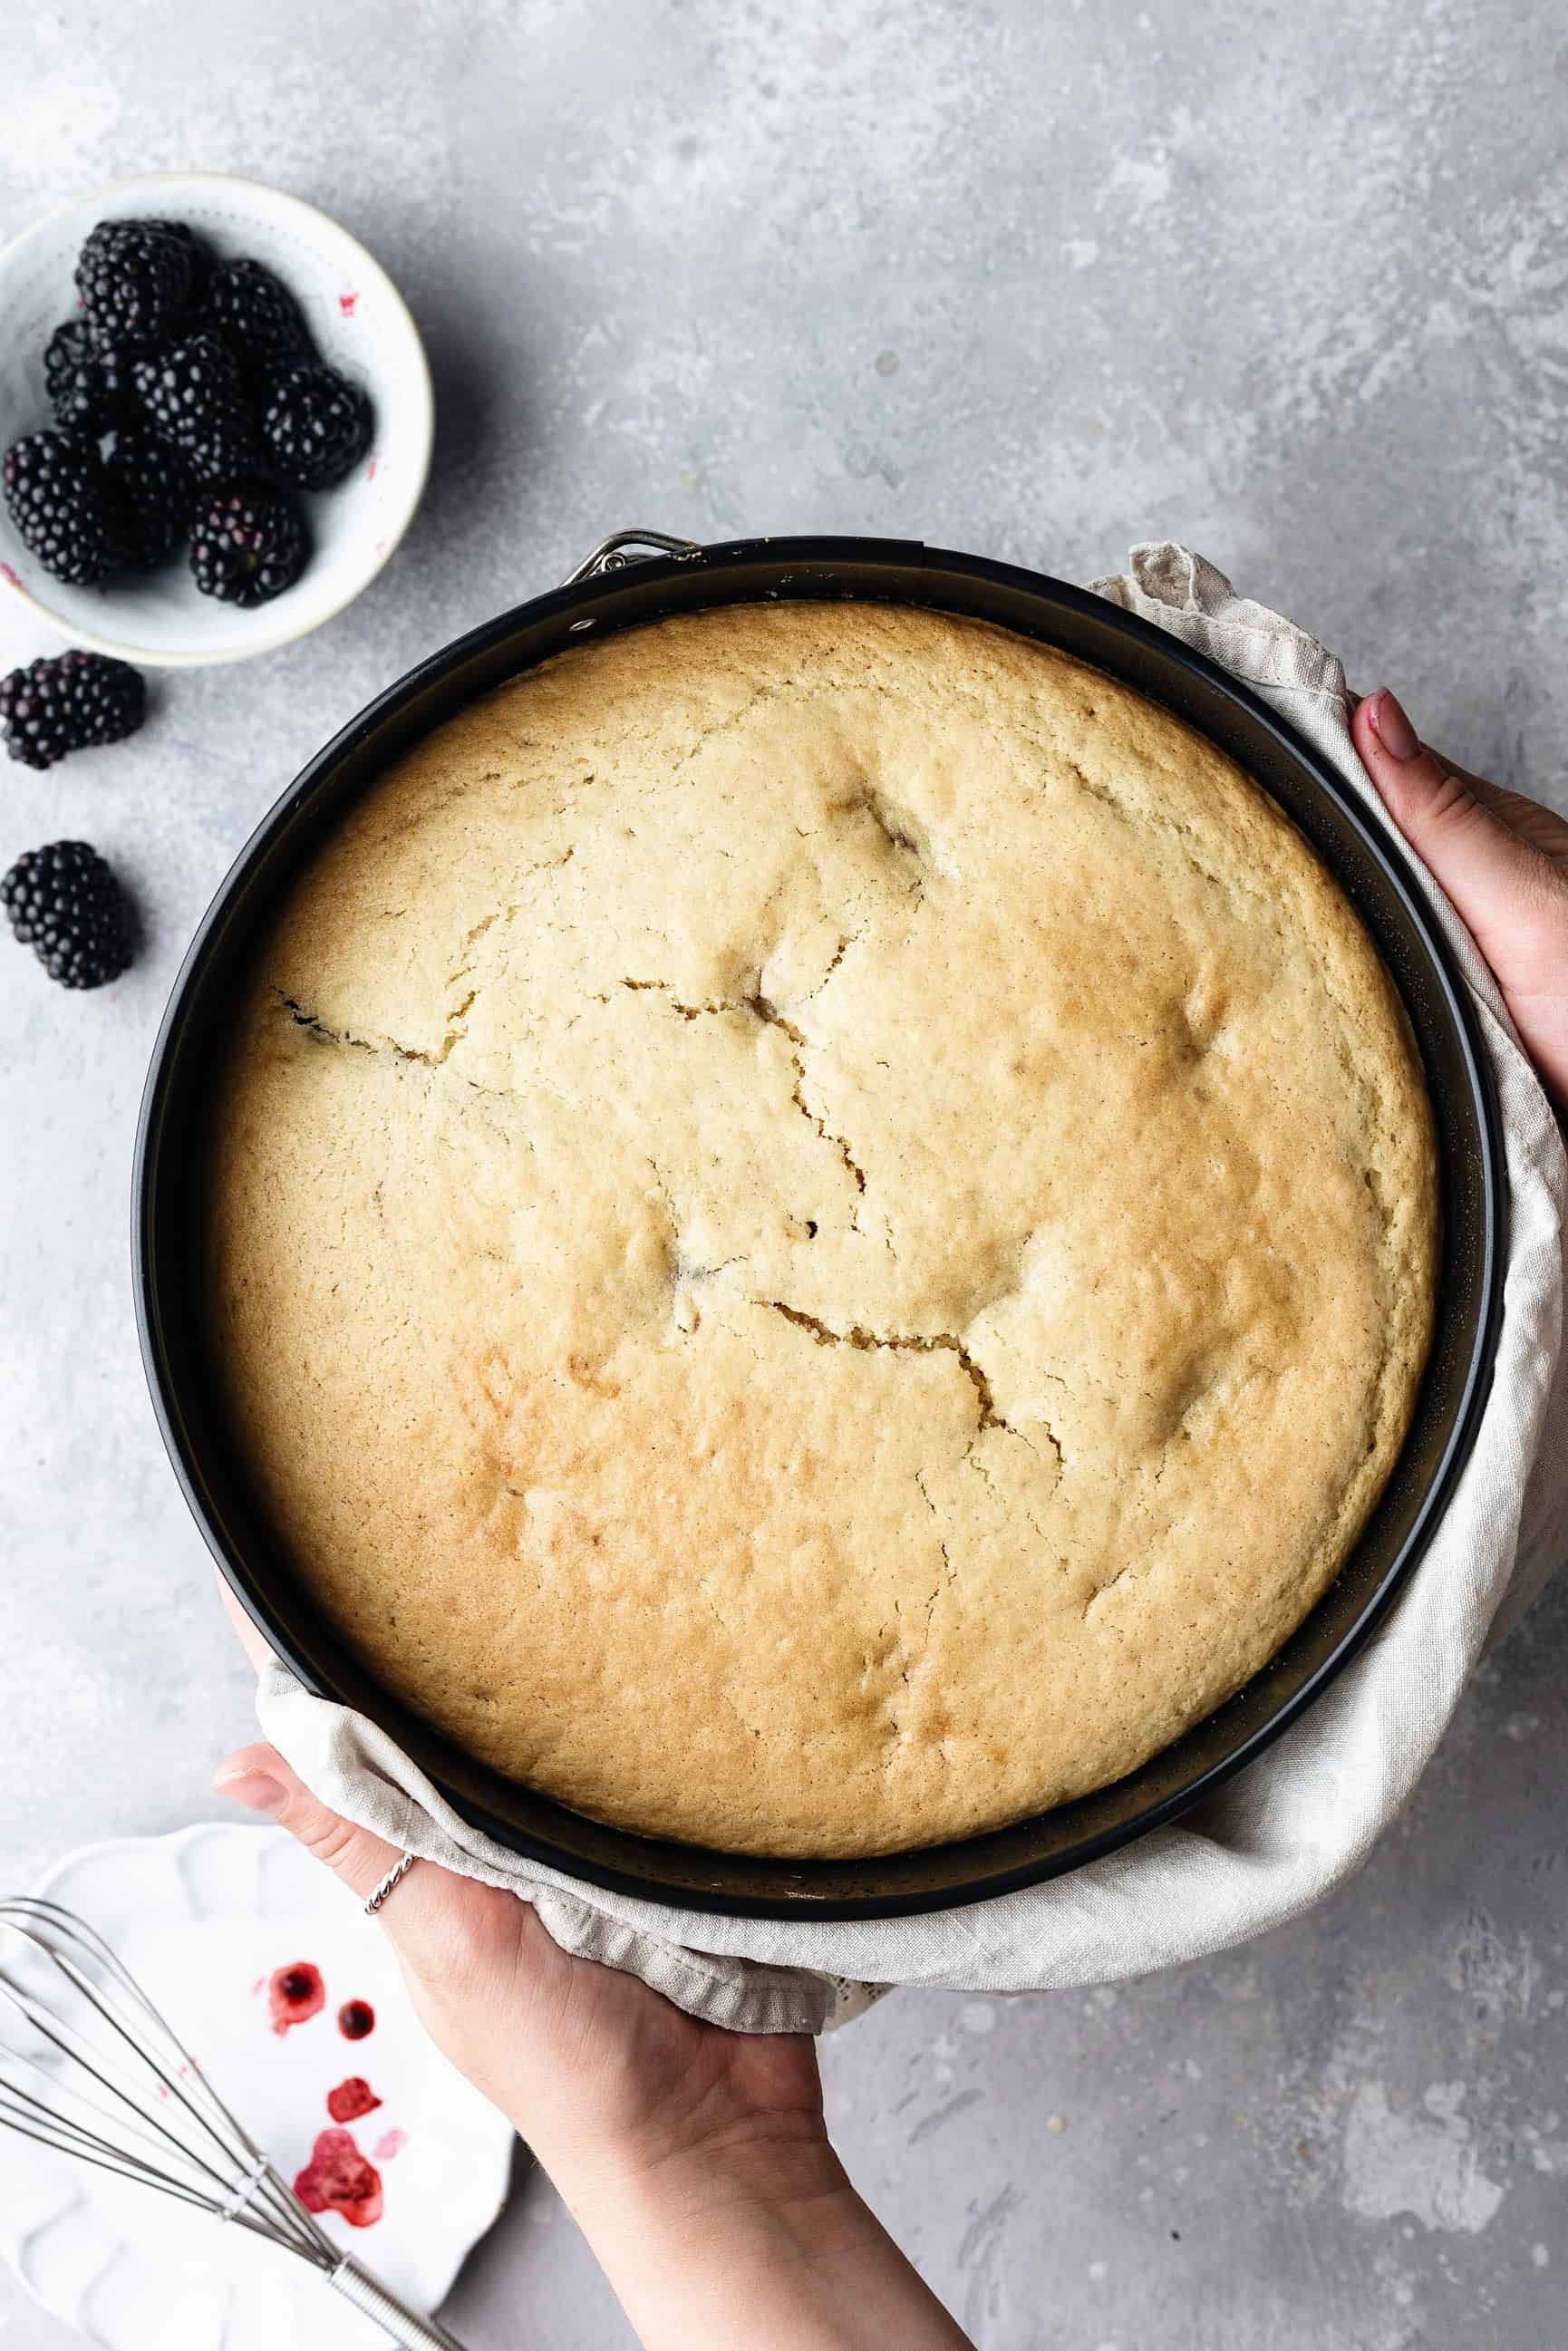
{"type": "Point", "coordinates": [1296, 1822]}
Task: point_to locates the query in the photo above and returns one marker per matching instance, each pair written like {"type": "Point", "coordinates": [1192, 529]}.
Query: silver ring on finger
{"type": "Point", "coordinates": [393, 1877]}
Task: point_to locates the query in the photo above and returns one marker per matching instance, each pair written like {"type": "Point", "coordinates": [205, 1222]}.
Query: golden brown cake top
{"type": "Point", "coordinates": [822, 1228]}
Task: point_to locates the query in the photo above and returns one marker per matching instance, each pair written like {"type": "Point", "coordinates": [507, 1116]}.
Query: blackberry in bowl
{"type": "Point", "coordinates": [62, 506]}
{"type": "Point", "coordinates": [88, 384]}
{"type": "Point", "coordinates": [192, 397]}
{"type": "Point", "coordinates": [249, 544]}
{"type": "Point", "coordinates": [250, 308]}
{"type": "Point", "coordinates": [316, 426]}
{"type": "Point", "coordinates": [137, 281]}
{"type": "Point", "coordinates": [156, 494]}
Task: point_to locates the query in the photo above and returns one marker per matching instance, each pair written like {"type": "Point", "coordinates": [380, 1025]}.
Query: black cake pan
{"type": "Point", "coordinates": [617, 589]}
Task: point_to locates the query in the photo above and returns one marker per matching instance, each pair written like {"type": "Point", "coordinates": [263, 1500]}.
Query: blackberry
{"type": "Point", "coordinates": [64, 903]}
{"type": "Point", "coordinates": [54, 707]}
{"type": "Point", "coordinates": [89, 387]}
{"type": "Point", "coordinates": [62, 502]}
{"type": "Point", "coordinates": [256, 314]}
{"type": "Point", "coordinates": [190, 393]}
{"type": "Point", "coordinates": [315, 425]}
{"type": "Point", "coordinates": [137, 279]}
{"type": "Point", "coordinates": [248, 543]}
{"type": "Point", "coordinates": [155, 493]}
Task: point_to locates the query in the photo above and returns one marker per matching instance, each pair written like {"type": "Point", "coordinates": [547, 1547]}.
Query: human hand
{"type": "Point", "coordinates": [696, 2161]}
{"type": "Point", "coordinates": [601, 2074]}
{"type": "Point", "coordinates": [1502, 860]}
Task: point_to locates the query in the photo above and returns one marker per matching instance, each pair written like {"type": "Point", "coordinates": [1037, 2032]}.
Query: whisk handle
{"type": "Point", "coordinates": [404, 2326]}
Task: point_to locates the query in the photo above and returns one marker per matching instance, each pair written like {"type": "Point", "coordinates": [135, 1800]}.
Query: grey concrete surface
{"type": "Point", "coordinates": [1290, 283]}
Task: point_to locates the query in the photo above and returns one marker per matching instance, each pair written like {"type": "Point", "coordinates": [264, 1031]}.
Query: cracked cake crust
{"type": "Point", "coordinates": [822, 1228]}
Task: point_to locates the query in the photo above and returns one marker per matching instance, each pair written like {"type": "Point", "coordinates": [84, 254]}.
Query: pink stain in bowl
{"type": "Point", "coordinates": [339, 2180]}
{"type": "Point", "coordinates": [346, 304]}
{"type": "Point", "coordinates": [6, 573]}
{"type": "Point", "coordinates": [389, 2143]}
{"type": "Point", "coordinates": [295, 1994]}
{"type": "Point", "coordinates": [352, 2099]}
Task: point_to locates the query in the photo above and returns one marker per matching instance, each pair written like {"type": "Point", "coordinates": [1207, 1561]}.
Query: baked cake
{"type": "Point", "coordinates": [822, 1228]}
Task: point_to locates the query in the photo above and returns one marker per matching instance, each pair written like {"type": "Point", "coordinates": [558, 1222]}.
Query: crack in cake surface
{"type": "Point", "coordinates": [920, 1343]}
{"type": "Point", "coordinates": [762, 1008]}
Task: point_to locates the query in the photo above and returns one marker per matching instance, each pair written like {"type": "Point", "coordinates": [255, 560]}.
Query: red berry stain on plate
{"type": "Point", "coordinates": [356, 2018]}
{"type": "Point", "coordinates": [371, 471]}
{"type": "Point", "coordinates": [389, 2143]}
{"type": "Point", "coordinates": [295, 1994]}
{"type": "Point", "coordinates": [337, 2178]}
{"type": "Point", "coordinates": [346, 304]}
{"type": "Point", "coordinates": [352, 2099]}
{"type": "Point", "coordinates": [6, 573]}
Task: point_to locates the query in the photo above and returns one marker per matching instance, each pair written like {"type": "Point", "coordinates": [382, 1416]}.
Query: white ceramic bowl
{"type": "Point", "coordinates": [360, 324]}
{"type": "Point", "coordinates": [201, 1918]}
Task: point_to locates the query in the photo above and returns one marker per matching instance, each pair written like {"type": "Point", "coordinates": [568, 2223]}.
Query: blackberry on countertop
{"type": "Point", "coordinates": [191, 396]}
{"type": "Point", "coordinates": [155, 493]}
{"type": "Point", "coordinates": [90, 386]}
{"type": "Point", "coordinates": [138, 278]}
{"type": "Point", "coordinates": [63, 504]}
{"type": "Point", "coordinates": [64, 902]}
{"type": "Point", "coordinates": [248, 543]}
{"type": "Point", "coordinates": [256, 314]}
{"type": "Point", "coordinates": [316, 426]}
{"type": "Point", "coordinates": [54, 707]}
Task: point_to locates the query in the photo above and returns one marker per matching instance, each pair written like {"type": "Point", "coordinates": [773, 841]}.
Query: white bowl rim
{"type": "Point", "coordinates": [421, 390]}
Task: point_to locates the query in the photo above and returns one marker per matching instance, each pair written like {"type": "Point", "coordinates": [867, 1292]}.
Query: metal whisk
{"type": "Point", "coordinates": [95, 2071]}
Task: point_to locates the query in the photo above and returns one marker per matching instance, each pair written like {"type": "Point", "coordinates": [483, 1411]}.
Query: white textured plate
{"type": "Point", "coordinates": [360, 323]}
{"type": "Point", "coordinates": [202, 1919]}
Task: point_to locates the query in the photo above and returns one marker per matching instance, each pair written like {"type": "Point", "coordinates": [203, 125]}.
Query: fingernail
{"type": "Point", "coordinates": [255, 1789]}
{"type": "Point", "coordinates": [1391, 727]}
